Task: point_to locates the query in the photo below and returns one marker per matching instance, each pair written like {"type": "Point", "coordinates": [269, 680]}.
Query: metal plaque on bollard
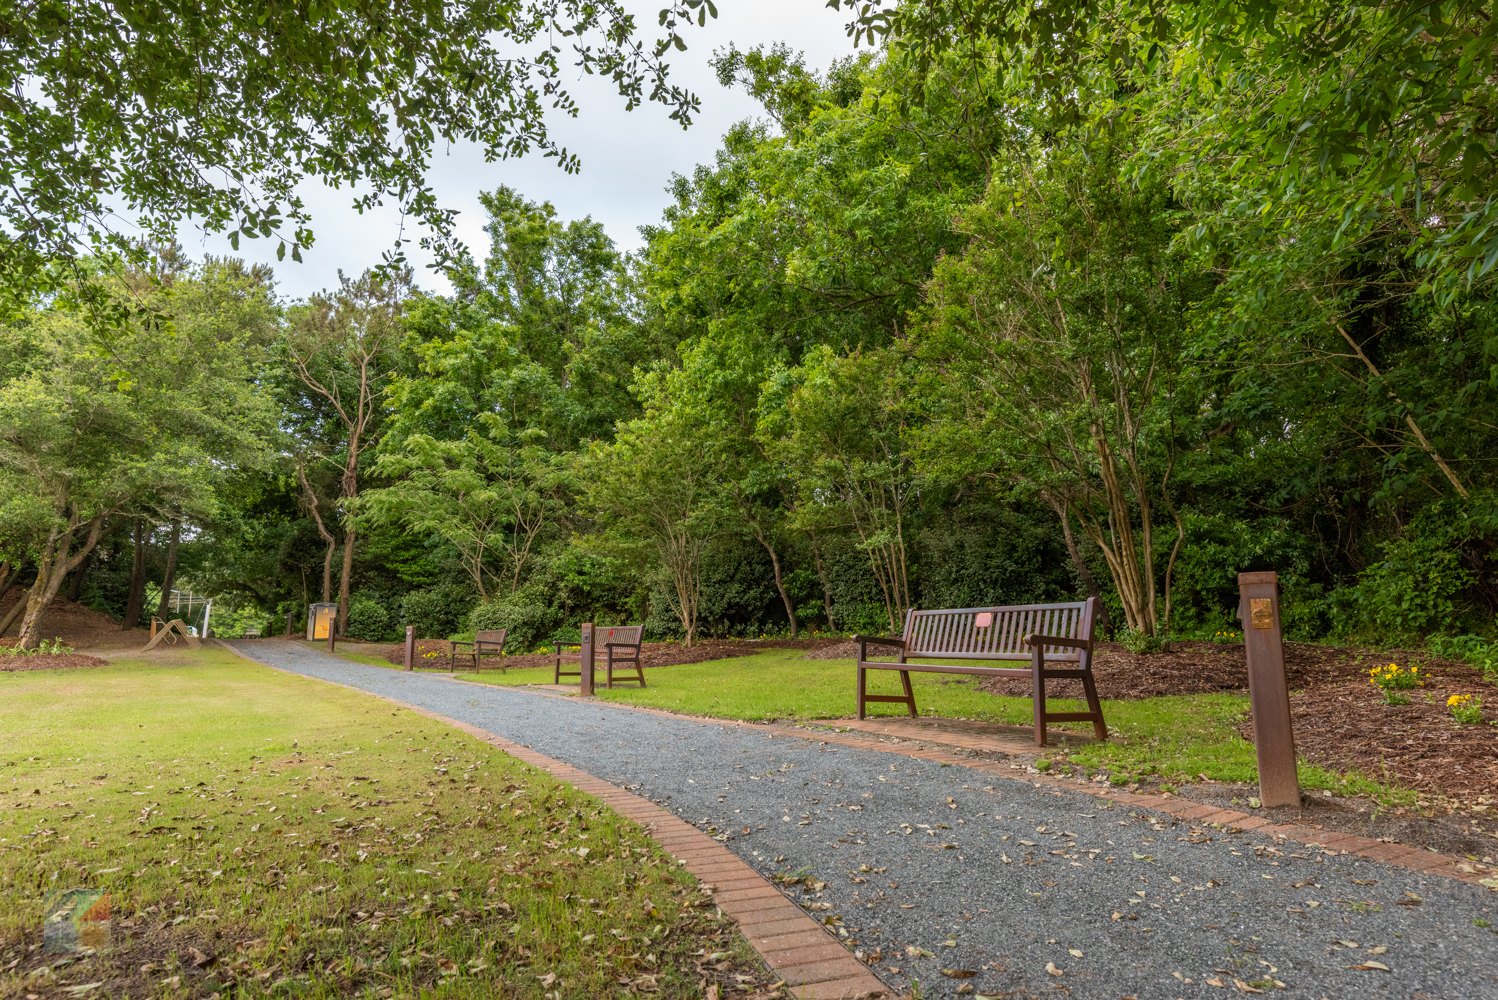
{"type": "Point", "coordinates": [1268, 693]}
{"type": "Point", "coordinates": [585, 666]}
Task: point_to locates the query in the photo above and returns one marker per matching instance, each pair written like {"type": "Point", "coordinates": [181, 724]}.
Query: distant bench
{"type": "Point", "coordinates": [486, 643]}
{"type": "Point", "coordinates": [621, 645]}
{"type": "Point", "coordinates": [1044, 634]}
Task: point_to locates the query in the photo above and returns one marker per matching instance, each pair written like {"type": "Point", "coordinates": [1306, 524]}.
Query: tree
{"type": "Point", "coordinates": [341, 347]}
{"type": "Point", "coordinates": [1056, 342]}
{"type": "Point", "coordinates": [149, 425]}
{"type": "Point", "coordinates": [653, 491]}
{"type": "Point", "coordinates": [840, 428]}
{"type": "Point", "coordinates": [219, 117]}
{"type": "Point", "coordinates": [1368, 114]}
{"type": "Point", "coordinates": [490, 494]}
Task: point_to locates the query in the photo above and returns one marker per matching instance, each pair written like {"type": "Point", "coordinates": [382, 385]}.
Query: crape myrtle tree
{"type": "Point", "coordinates": [1056, 343]}
{"type": "Point", "coordinates": [655, 496]}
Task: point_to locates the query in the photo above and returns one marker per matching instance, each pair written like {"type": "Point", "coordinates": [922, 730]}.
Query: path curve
{"type": "Point", "coordinates": [943, 867]}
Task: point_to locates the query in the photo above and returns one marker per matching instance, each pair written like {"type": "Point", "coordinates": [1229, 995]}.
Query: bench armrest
{"type": "Point", "coordinates": [488, 644]}
{"type": "Point", "coordinates": [1056, 640]}
{"type": "Point", "coordinates": [566, 645]}
{"type": "Point", "coordinates": [878, 641]}
{"type": "Point", "coordinates": [460, 642]}
{"type": "Point", "coordinates": [622, 645]}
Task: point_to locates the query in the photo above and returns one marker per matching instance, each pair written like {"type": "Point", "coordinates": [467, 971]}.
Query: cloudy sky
{"type": "Point", "coordinates": [627, 157]}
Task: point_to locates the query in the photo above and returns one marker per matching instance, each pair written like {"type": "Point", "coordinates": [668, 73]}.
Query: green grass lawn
{"type": "Point", "coordinates": [1170, 740]}
{"type": "Point", "coordinates": [310, 841]}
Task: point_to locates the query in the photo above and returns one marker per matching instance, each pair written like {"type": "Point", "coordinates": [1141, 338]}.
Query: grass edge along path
{"type": "Point", "coordinates": [476, 875]}
{"type": "Point", "coordinates": [1163, 742]}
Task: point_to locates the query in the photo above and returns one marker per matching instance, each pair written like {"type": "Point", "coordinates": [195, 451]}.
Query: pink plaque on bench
{"type": "Point", "coordinates": [983, 620]}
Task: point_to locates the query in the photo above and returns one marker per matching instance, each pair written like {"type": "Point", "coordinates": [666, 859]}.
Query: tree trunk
{"type": "Point", "coordinates": [16, 608]}
{"type": "Point", "coordinates": [52, 567]}
{"type": "Point", "coordinates": [75, 586]}
{"type": "Point", "coordinates": [1104, 625]}
{"type": "Point", "coordinates": [136, 599]}
{"type": "Point", "coordinates": [170, 577]}
{"type": "Point", "coordinates": [790, 609]}
{"type": "Point", "coordinates": [343, 583]}
{"type": "Point", "coordinates": [816, 552]}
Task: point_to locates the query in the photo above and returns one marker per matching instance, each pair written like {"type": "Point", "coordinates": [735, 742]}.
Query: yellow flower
{"type": "Point", "coordinates": [1457, 700]}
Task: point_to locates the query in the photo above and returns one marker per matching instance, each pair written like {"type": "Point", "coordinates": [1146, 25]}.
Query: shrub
{"type": "Point", "coordinates": [1138, 642]}
{"type": "Point", "coordinates": [369, 619]}
{"type": "Point", "coordinates": [1474, 649]}
{"type": "Point", "coordinates": [529, 624]}
{"type": "Point", "coordinates": [437, 612]}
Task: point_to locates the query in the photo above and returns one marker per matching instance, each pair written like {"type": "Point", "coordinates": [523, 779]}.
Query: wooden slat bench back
{"type": "Point", "coordinates": [620, 644]}
{"type": "Point", "coordinates": [485, 642]}
{"type": "Point", "coordinates": [1056, 639]}
{"type": "Point", "coordinates": [618, 635]}
{"type": "Point", "coordinates": [993, 633]}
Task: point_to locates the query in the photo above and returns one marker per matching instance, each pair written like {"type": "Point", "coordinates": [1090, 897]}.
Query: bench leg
{"type": "Point", "coordinates": [861, 679]}
{"type": "Point", "coordinates": [909, 692]}
{"type": "Point", "coordinates": [1037, 694]}
{"type": "Point", "coordinates": [1099, 728]}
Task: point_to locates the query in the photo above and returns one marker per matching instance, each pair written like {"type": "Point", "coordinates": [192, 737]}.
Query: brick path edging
{"type": "Point", "coordinates": [812, 963]}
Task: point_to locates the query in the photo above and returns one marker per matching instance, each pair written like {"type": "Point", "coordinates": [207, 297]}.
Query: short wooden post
{"type": "Point", "coordinates": [410, 647]}
{"type": "Point", "coordinates": [1268, 692]}
{"type": "Point", "coordinates": [585, 664]}
{"type": "Point", "coordinates": [289, 616]}
{"type": "Point", "coordinates": [332, 628]}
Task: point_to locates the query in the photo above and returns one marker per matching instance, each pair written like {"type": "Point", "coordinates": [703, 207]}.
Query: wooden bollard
{"type": "Point", "coordinates": [1268, 692]}
{"type": "Point", "coordinates": [410, 647]}
{"type": "Point", "coordinates": [585, 665]}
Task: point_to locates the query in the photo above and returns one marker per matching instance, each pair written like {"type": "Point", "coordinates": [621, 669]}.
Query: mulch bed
{"type": "Point", "coordinates": [652, 654]}
{"type": "Point", "coordinates": [1339, 717]}
{"type": "Point", "coordinates": [78, 625]}
{"type": "Point", "coordinates": [63, 661]}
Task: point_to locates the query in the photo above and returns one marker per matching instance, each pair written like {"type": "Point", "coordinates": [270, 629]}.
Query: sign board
{"type": "Point", "coordinates": [320, 620]}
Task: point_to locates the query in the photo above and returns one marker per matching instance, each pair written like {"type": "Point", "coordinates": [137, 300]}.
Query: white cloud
{"type": "Point", "coordinates": [627, 157]}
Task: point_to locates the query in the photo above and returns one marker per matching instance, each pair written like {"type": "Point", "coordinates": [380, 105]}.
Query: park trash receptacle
{"type": "Point", "coordinates": [320, 620]}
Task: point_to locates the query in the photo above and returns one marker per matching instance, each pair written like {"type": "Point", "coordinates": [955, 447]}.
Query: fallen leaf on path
{"type": "Point", "coordinates": [1050, 967]}
{"type": "Point", "coordinates": [1244, 987]}
{"type": "Point", "coordinates": [1214, 981]}
{"type": "Point", "coordinates": [1381, 967]}
{"type": "Point", "coordinates": [959, 973]}
{"type": "Point", "coordinates": [1075, 952]}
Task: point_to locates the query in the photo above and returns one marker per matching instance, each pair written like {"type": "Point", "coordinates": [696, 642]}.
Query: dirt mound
{"type": "Point", "coordinates": [652, 654]}
{"type": "Point", "coordinates": [79, 625]}
{"type": "Point", "coordinates": [63, 661]}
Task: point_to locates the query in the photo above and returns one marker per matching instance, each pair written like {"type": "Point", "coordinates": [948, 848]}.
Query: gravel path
{"type": "Point", "coordinates": [944, 868]}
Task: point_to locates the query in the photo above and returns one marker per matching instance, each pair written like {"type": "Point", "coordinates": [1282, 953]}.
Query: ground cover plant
{"type": "Point", "coordinates": [266, 834]}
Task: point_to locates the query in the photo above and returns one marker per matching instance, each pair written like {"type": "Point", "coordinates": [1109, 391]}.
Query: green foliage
{"type": "Point", "coordinates": [436, 612]}
{"type": "Point", "coordinates": [247, 104]}
{"type": "Point", "coordinates": [530, 624]}
{"type": "Point", "coordinates": [1466, 709]}
{"type": "Point", "coordinates": [1480, 651]}
{"type": "Point", "coordinates": [370, 619]}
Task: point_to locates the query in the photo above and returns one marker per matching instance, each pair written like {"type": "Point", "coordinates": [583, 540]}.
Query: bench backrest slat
{"type": "Point", "coordinates": [626, 635]}
{"type": "Point", "coordinates": [953, 632]}
{"type": "Point", "coordinates": [490, 635]}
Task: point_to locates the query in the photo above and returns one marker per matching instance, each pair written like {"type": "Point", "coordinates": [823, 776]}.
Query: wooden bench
{"type": "Point", "coordinates": [488, 642]}
{"type": "Point", "coordinates": [621, 644]}
{"type": "Point", "coordinates": [1044, 634]}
